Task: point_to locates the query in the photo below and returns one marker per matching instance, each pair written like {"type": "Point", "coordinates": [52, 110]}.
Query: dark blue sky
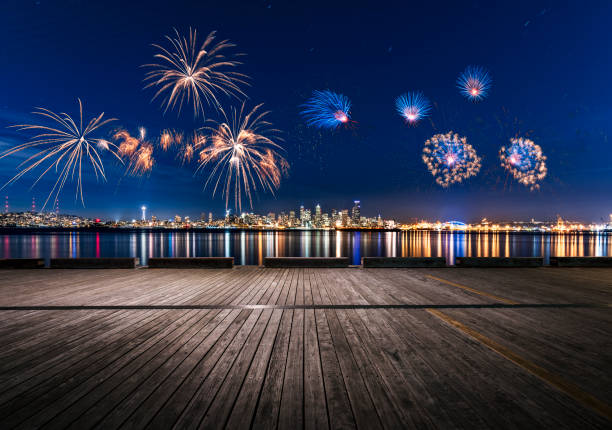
{"type": "Point", "coordinates": [550, 63]}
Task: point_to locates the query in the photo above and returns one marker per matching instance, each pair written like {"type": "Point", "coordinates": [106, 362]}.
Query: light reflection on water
{"type": "Point", "coordinates": [252, 247]}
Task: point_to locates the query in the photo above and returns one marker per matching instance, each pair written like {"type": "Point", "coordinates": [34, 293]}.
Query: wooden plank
{"type": "Point", "coordinates": [244, 408]}
{"type": "Point", "coordinates": [291, 413]}
{"type": "Point", "coordinates": [143, 413]}
{"type": "Point", "coordinates": [266, 415]}
{"type": "Point", "coordinates": [315, 407]}
{"type": "Point", "coordinates": [203, 397]}
{"type": "Point", "coordinates": [222, 406]}
{"type": "Point", "coordinates": [193, 385]}
{"type": "Point", "coordinates": [66, 394]}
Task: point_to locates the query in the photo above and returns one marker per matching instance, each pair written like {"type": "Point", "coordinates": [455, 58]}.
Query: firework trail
{"type": "Point", "coordinates": [128, 144]}
{"type": "Point", "coordinates": [412, 107]}
{"type": "Point", "coordinates": [524, 160]}
{"type": "Point", "coordinates": [190, 73]}
{"type": "Point", "coordinates": [450, 159]}
{"type": "Point", "coordinates": [241, 158]}
{"type": "Point", "coordinates": [189, 149]}
{"type": "Point", "coordinates": [63, 147]}
{"type": "Point", "coordinates": [474, 83]}
{"type": "Point", "coordinates": [138, 151]}
{"type": "Point", "coordinates": [326, 109]}
{"type": "Point", "coordinates": [168, 139]}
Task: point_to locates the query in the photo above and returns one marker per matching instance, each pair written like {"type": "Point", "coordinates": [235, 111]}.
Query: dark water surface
{"type": "Point", "coordinates": [250, 247]}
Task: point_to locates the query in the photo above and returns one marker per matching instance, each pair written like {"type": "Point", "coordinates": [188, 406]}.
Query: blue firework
{"type": "Point", "coordinates": [474, 83]}
{"type": "Point", "coordinates": [326, 109]}
{"type": "Point", "coordinates": [412, 106]}
{"type": "Point", "coordinates": [525, 161]}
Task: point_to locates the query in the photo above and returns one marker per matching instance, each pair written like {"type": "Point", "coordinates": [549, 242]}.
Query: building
{"type": "Point", "coordinates": [356, 213]}
{"type": "Point", "coordinates": [344, 218]}
{"type": "Point", "coordinates": [317, 218]}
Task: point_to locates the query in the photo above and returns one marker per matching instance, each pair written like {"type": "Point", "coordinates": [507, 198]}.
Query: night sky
{"type": "Point", "coordinates": [550, 63]}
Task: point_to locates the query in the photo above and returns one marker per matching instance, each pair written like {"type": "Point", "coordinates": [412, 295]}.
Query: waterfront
{"type": "Point", "coordinates": [251, 247]}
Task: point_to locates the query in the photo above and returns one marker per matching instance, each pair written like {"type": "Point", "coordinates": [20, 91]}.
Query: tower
{"type": "Point", "coordinates": [144, 212]}
{"type": "Point", "coordinates": [33, 205]}
{"type": "Point", "coordinates": [356, 213]}
{"type": "Point", "coordinates": [6, 206]}
{"type": "Point", "coordinates": [318, 215]}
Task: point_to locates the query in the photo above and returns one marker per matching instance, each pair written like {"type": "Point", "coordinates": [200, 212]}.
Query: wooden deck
{"type": "Point", "coordinates": [306, 348]}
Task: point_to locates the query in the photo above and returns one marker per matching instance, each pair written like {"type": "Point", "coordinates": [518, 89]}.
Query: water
{"type": "Point", "coordinates": [250, 247]}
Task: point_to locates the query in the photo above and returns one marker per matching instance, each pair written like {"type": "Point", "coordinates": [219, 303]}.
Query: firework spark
{"type": "Point", "coordinates": [241, 158]}
{"type": "Point", "coordinates": [142, 161]}
{"type": "Point", "coordinates": [128, 144]}
{"type": "Point", "coordinates": [138, 151]}
{"type": "Point", "coordinates": [193, 74]}
{"type": "Point", "coordinates": [165, 140]}
{"type": "Point", "coordinates": [413, 107]}
{"type": "Point", "coordinates": [63, 147]}
{"type": "Point", "coordinates": [474, 83]}
{"type": "Point", "coordinates": [524, 160]}
{"type": "Point", "coordinates": [326, 109]}
{"type": "Point", "coordinates": [450, 159]}
{"type": "Point", "coordinates": [168, 139]}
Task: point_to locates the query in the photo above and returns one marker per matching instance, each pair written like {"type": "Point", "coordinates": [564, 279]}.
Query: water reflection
{"type": "Point", "coordinates": [252, 247]}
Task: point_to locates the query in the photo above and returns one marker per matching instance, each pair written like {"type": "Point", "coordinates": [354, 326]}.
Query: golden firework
{"type": "Point", "coordinates": [64, 147]}
{"type": "Point", "coordinates": [241, 158]}
{"type": "Point", "coordinates": [187, 72]}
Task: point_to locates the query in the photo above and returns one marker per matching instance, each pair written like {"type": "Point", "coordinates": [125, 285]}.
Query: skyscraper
{"type": "Point", "coordinates": [317, 218]}
{"type": "Point", "coordinates": [344, 217]}
{"type": "Point", "coordinates": [356, 213]}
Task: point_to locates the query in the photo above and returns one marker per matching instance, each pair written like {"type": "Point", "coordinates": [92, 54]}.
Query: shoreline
{"type": "Point", "coordinates": [101, 229]}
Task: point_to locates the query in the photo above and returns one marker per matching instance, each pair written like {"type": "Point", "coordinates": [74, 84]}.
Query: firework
{"type": "Point", "coordinates": [138, 151]}
{"type": "Point", "coordinates": [524, 160]}
{"type": "Point", "coordinates": [65, 147]}
{"type": "Point", "coordinates": [240, 158]}
{"type": "Point", "coordinates": [326, 109]}
{"type": "Point", "coordinates": [190, 73]}
{"type": "Point", "coordinates": [413, 107]}
{"type": "Point", "coordinates": [128, 144]}
{"type": "Point", "coordinates": [474, 83]}
{"type": "Point", "coordinates": [165, 140]}
{"type": "Point", "coordinates": [169, 138]}
{"type": "Point", "coordinates": [450, 159]}
{"type": "Point", "coordinates": [141, 162]}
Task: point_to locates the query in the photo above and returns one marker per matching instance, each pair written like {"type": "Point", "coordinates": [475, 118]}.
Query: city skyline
{"type": "Point", "coordinates": [302, 218]}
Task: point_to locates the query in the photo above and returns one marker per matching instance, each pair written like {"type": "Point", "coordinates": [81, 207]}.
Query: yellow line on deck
{"type": "Point", "coordinates": [575, 392]}
{"type": "Point", "coordinates": [472, 290]}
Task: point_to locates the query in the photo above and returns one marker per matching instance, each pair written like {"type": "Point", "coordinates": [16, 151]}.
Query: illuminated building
{"type": "Point", "coordinates": [356, 213]}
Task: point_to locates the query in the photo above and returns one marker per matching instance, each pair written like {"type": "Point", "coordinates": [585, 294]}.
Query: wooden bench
{"type": "Point", "coordinates": [581, 261]}
{"type": "Point", "coordinates": [322, 262]}
{"type": "Point", "coordinates": [499, 261]}
{"type": "Point", "coordinates": [94, 263]}
{"type": "Point", "coordinates": [192, 263]}
{"type": "Point", "coordinates": [381, 262]}
{"type": "Point", "coordinates": [22, 263]}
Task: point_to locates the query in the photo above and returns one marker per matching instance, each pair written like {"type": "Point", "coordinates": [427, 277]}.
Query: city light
{"type": "Point", "coordinates": [302, 219]}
